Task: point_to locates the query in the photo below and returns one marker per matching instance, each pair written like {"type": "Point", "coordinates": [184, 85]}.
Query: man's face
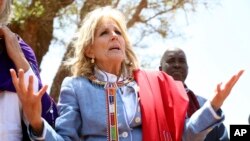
{"type": "Point", "coordinates": [175, 64]}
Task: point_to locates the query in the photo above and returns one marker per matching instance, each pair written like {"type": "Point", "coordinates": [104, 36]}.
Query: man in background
{"type": "Point", "coordinates": [174, 63]}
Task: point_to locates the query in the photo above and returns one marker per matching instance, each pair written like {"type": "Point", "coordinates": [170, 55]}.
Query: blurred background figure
{"type": "Point", "coordinates": [174, 63]}
{"type": "Point", "coordinates": [16, 54]}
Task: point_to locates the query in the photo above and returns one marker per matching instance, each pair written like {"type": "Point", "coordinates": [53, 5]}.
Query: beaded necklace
{"type": "Point", "coordinates": [111, 109]}
{"type": "Point", "coordinates": [118, 83]}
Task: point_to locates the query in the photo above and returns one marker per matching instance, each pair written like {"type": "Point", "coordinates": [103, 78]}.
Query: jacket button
{"type": "Point", "coordinates": [125, 134]}
{"type": "Point", "coordinates": [137, 120]}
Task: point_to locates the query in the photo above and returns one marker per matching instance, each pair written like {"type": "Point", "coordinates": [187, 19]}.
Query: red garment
{"type": "Point", "coordinates": [163, 106]}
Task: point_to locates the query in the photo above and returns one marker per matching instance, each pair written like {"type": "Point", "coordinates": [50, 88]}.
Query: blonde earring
{"type": "Point", "coordinates": [92, 61]}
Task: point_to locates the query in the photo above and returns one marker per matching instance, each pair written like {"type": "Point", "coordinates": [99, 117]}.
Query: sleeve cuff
{"type": "Point", "coordinates": [205, 118]}
{"type": "Point", "coordinates": [35, 137]}
{"type": "Point", "coordinates": [211, 109]}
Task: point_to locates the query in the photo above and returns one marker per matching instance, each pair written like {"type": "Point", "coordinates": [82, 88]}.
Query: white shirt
{"type": "Point", "coordinates": [11, 112]}
{"type": "Point", "coordinates": [129, 97]}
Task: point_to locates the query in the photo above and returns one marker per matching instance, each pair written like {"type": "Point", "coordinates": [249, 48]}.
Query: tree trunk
{"type": "Point", "coordinates": [38, 31]}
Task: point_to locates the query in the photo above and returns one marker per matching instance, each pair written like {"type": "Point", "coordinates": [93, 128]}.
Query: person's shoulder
{"type": "Point", "coordinates": [201, 99]}
{"type": "Point", "coordinates": [153, 75]}
{"type": "Point", "coordinates": [75, 83]}
{"type": "Point", "coordinates": [27, 50]}
{"type": "Point", "coordinates": [23, 44]}
{"type": "Point", "coordinates": [71, 79]}
{"type": "Point", "coordinates": [156, 73]}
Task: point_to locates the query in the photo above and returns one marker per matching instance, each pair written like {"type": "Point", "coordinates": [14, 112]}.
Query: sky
{"type": "Point", "coordinates": [217, 46]}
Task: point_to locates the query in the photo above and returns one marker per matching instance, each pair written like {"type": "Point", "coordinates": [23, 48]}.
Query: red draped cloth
{"type": "Point", "coordinates": [163, 103]}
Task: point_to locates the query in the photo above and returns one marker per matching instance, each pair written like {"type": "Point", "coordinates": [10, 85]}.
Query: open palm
{"type": "Point", "coordinates": [222, 92]}
{"type": "Point", "coordinates": [31, 101]}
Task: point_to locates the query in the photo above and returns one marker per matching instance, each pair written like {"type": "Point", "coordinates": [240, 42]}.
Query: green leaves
{"type": "Point", "coordinates": [24, 9]}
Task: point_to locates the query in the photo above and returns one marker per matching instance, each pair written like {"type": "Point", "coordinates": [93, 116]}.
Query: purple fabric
{"type": "Point", "coordinates": [6, 83]}
{"type": "Point", "coordinates": [5, 65]}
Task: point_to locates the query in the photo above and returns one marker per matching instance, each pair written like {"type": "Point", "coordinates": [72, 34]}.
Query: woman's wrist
{"type": "Point", "coordinates": [215, 104]}
{"type": "Point", "coordinates": [37, 127]}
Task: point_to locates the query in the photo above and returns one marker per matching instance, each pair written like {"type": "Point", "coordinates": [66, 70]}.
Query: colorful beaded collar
{"type": "Point", "coordinates": [111, 105]}
{"type": "Point", "coordinates": [118, 83]}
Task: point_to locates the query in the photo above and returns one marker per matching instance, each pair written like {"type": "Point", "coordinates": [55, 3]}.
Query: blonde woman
{"type": "Point", "coordinates": [110, 98]}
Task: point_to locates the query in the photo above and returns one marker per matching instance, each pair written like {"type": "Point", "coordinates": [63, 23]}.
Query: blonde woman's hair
{"type": "Point", "coordinates": [80, 64]}
{"type": "Point", "coordinates": [6, 13]}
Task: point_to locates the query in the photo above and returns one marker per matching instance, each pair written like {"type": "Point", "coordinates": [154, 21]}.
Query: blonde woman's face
{"type": "Point", "coordinates": [109, 44]}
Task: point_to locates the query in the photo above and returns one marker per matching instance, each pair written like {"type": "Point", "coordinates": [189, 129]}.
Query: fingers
{"type": "Point", "coordinates": [223, 92]}
{"type": "Point", "coordinates": [30, 85]}
{"type": "Point", "coordinates": [19, 83]}
{"type": "Point", "coordinates": [218, 88]}
{"type": "Point", "coordinates": [42, 91]}
{"type": "Point", "coordinates": [14, 79]}
{"type": "Point", "coordinates": [22, 85]}
{"type": "Point", "coordinates": [230, 84]}
{"type": "Point", "coordinates": [240, 73]}
{"type": "Point", "coordinates": [233, 80]}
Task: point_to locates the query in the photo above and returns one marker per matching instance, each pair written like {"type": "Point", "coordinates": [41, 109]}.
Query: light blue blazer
{"type": "Point", "coordinates": [82, 116]}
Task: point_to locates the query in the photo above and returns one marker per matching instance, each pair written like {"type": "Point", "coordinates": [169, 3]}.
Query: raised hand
{"type": "Point", "coordinates": [221, 93]}
{"type": "Point", "coordinates": [31, 101]}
